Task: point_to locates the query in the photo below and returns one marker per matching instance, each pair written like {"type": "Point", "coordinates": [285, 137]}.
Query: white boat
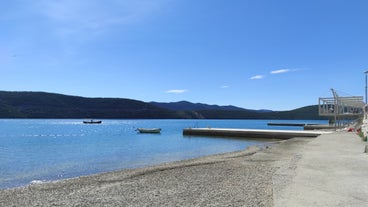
{"type": "Point", "coordinates": [149, 130]}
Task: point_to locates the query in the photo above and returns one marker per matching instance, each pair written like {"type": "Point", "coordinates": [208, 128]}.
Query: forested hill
{"type": "Point", "coordinates": [51, 105]}
{"type": "Point", "coordinates": [188, 106]}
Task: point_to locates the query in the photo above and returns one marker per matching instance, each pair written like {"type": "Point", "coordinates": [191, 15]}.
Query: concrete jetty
{"type": "Point", "coordinates": [285, 124]}
{"type": "Point", "coordinates": [305, 126]}
{"type": "Point", "coordinates": [318, 126]}
{"type": "Point", "coordinates": [250, 133]}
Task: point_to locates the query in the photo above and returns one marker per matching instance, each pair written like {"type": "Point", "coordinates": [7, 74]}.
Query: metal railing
{"type": "Point", "coordinates": [342, 109]}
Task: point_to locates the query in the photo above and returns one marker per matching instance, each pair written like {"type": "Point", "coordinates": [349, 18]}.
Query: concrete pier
{"type": "Point", "coordinates": [306, 126]}
{"type": "Point", "coordinates": [318, 126]}
{"type": "Point", "coordinates": [250, 133]}
{"type": "Point", "coordinates": [285, 124]}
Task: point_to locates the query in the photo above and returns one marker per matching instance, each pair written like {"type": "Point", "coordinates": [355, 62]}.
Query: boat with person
{"type": "Point", "coordinates": [92, 122]}
{"type": "Point", "coordinates": [149, 130]}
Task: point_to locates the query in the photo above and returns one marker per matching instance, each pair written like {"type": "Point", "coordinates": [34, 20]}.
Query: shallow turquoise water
{"type": "Point", "coordinates": [51, 149]}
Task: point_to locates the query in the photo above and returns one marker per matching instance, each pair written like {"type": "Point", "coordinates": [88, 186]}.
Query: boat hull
{"type": "Point", "coordinates": [92, 122]}
{"type": "Point", "coordinates": [149, 130]}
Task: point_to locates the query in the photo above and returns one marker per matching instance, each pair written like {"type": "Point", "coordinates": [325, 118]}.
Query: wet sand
{"type": "Point", "coordinates": [242, 178]}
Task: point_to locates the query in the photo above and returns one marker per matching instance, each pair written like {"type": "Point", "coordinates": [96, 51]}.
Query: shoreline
{"type": "Point", "coordinates": [235, 178]}
{"type": "Point", "coordinates": [249, 149]}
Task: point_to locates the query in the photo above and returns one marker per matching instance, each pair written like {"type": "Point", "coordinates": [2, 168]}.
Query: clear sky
{"type": "Point", "coordinates": [256, 54]}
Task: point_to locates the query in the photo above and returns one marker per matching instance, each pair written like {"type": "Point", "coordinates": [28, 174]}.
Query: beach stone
{"type": "Point", "coordinates": [242, 178]}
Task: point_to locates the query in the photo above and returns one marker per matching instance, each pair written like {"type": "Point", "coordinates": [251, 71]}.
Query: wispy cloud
{"type": "Point", "coordinates": [280, 71]}
{"type": "Point", "coordinates": [257, 77]}
{"type": "Point", "coordinates": [72, 17]}
{"type": "Point", "coordinates": [177, 91]}
{"type": "Point", "coordinates": [284, 71]}
{"type": "Point", "coordinates": [225, 86]}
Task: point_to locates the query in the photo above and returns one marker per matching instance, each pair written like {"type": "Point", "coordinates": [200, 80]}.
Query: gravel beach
{"type": "Point", "coordinates": [242, 178]}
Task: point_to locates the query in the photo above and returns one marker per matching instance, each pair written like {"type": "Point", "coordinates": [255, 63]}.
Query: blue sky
{"type": "Point", "coordinates": [256, 54]}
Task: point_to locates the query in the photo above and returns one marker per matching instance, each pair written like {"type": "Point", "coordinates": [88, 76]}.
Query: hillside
{"type": "Point", "coordinates": [188, 106]}
{"type": "Point", "coordinates": [232, 112]}
{"type": "Point", "coordinates": [308, 112]}
{"type": "Point", "coordinates": [51, 105]}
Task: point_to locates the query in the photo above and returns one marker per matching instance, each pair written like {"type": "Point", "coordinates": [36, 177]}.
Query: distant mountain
{"type": "Point", "coordinates": [308, 112]}
{"type": "Point", "coordinates": [52, 105]}
{"type": "Point", "coordinates": [188, 106]}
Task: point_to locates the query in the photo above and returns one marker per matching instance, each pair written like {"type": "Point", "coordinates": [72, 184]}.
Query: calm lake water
{"type": "Point", "coordinates": [51, 149]}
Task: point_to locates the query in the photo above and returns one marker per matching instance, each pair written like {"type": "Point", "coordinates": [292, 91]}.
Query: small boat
{"type": "Point", "coordinates": [92, 122]}
{"type": "Point", "coordinates": [149, 130]}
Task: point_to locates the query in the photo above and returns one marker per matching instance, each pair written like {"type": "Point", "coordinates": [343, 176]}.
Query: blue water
{"type": "Point", "coordinates": [52, 149]}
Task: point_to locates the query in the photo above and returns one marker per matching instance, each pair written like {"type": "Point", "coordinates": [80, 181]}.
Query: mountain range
{"type": "Point", "coordinates": [188, 106]}
{"type": "Point", "coordinates": [52, 105]}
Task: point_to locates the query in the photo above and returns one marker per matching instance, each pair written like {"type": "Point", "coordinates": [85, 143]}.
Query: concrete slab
{"type": "Point", "coordinates": [318, 127]}
{"type": "Point", "coordinates": [252, 133]}
{"type": "Point", "coordinates": [332, 170]}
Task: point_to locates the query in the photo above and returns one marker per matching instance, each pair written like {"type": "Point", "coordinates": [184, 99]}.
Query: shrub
{"type": "Point", "coordinates": [361, 134]}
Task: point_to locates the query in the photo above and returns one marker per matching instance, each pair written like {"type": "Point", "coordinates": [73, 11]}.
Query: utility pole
{"type": "Point", "coordinates": [336, 107]}
{"type": "Point", "coordinates": [366, 87]}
